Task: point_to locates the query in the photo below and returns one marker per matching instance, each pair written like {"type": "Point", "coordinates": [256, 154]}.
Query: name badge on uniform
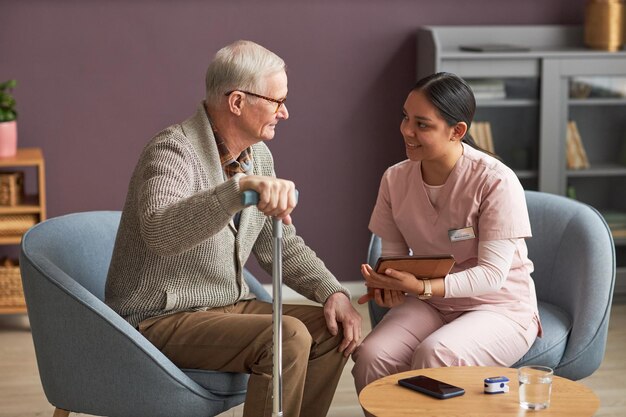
{"type": "Point", "coordinates": [466, 233]}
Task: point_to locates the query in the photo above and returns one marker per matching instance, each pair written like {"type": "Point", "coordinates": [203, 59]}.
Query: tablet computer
{"type": "Point", "coordinates": [429, 266]}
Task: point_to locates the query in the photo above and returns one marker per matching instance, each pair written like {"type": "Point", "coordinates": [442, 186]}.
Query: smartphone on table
{"type": "Point", "coordinates": [432, 387]}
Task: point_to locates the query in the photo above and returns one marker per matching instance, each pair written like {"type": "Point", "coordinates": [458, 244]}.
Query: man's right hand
{"type": "Point", "coordinates": [277, 198]}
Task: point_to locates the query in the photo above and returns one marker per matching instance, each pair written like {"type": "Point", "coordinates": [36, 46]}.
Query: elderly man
{"type": "Point", "coordinates": [184, 237]}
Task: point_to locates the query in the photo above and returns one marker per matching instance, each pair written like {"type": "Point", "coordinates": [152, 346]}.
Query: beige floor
{"type": "Point", "coordinates": [21, 394]}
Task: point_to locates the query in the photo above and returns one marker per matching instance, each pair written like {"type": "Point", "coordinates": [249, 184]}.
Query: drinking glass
{"type": "Point", "coordinates": [535, 386]}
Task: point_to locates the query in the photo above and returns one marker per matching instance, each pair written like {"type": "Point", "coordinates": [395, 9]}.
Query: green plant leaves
{"type": "Point", "coordinates": [7, 101]}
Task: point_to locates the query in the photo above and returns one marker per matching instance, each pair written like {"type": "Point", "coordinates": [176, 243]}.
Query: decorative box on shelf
{"type": "Point", "coordinates": [11, 188]}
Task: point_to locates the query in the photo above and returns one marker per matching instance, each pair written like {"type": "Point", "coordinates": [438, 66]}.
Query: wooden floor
{"type": "Point", "coordinates": [21, 394]}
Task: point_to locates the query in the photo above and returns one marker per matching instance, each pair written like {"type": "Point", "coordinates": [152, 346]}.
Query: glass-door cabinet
{"type": "Point", "coordinates": [590, 94]}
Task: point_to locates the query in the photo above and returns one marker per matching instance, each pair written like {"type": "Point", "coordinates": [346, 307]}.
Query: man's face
{"type": "Point", "coordinates": [259, 116]}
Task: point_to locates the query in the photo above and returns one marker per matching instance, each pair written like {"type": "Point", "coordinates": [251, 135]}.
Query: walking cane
{"type": "Point", "coordinates": [251, 198]}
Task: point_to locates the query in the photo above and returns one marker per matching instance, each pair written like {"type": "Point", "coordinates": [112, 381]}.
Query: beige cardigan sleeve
{"type": "Point", "coordinates": [173, 217]}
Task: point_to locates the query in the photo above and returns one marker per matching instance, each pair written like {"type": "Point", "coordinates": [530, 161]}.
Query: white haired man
{"type": "Point", "coordinates": [184, 236]}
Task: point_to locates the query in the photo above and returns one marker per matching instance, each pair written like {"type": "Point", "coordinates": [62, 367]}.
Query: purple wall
{"type": "Point", "coordinates": [98, 78]}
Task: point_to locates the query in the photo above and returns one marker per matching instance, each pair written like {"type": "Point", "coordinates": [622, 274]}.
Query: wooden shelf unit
{"type": "Point", "coordinates": [31, 204]}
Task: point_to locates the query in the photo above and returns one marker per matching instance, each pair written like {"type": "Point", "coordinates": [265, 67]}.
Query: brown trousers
{"type": "Point", "coordinates": [238, 338]}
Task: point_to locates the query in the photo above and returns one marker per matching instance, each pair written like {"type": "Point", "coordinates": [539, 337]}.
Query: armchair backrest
{"type": "Point", "coordinates": [80, 244]}
{"type": "Point", "coordinates": [573, 252]}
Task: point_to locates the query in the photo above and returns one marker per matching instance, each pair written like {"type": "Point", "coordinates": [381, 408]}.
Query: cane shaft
{"type": "Point", "coordinates": [277, 319]}
{"type": "Point", "coordinates": [249, 198]}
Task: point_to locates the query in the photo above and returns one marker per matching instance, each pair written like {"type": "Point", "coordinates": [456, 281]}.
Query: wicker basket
{"type": "Point", "coordinates": [16, 224]}
{"type": "Point", "coordinates": [11, 188]}
{"type": "Point", "coordinates": [11, 291]}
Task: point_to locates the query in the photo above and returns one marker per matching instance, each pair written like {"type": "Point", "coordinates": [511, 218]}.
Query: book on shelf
{"type": "Point", "coordinates": [481, 132]}
{"type": "Point", "coordinates": [616, 220]}
{"type": "Point", "coordinates": [487, 88]}
{"type": "Point", "coordinates": [574, 148]}
{"type": "Point", "coordinates": [618, 233]}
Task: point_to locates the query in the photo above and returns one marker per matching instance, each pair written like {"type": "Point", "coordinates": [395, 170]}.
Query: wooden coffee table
{"type": "Point", "coordinates": [385, 398]}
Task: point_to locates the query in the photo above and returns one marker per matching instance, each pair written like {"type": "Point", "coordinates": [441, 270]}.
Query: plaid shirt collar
{"type": "Point", "coordinates": [230, 164]}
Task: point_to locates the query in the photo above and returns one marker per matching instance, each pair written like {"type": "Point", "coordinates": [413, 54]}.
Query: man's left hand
{"type": "Point", "coordinates": [338, 309]}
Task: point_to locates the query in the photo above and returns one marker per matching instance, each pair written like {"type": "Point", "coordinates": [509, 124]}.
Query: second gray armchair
{"type": "Point", "coordinates": [90, 359]}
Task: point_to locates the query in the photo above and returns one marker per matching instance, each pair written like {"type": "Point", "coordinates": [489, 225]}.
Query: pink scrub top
{"type": "Point", "coordinates": [480, 193]}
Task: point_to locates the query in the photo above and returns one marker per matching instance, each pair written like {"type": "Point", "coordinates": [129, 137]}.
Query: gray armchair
{"type": "Point", "coordinates": [574, 258]}
{"type": "Point", "coordinates": [90, 359]}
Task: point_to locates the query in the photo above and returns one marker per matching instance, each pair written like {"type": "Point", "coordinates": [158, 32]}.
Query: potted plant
{"type": "Point", "coordinates": [8, 123]}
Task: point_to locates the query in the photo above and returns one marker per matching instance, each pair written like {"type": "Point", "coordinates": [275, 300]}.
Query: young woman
{"type": "Point", "coordinates": [449, 197]}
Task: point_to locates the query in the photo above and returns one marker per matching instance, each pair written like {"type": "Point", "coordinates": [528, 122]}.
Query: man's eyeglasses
{"type": "Point", "coordinates": [273, 100]}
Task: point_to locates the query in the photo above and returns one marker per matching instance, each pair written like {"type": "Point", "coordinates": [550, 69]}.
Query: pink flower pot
{"type": "Point", "coordinates": [8, 139]}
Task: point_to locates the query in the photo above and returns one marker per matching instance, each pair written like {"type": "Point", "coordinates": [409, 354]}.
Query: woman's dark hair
{"type": "Point", "coordinates": [453, 99]}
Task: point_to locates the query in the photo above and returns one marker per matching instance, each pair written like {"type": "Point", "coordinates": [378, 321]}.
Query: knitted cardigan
{"type": "Point", "coordinates": [176, 248]}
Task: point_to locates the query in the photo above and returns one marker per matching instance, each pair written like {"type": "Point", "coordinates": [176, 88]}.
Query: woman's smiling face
{"type": "Point", "coordinates": [426, 134]}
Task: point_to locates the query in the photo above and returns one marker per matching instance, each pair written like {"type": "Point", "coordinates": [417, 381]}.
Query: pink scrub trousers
{"type": "Point", "coordinates": [415, 335]}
